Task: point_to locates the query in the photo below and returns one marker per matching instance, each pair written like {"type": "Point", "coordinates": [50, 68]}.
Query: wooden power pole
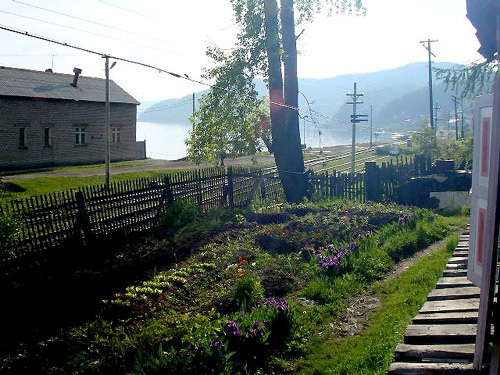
{"type": "Point", "coordinates": [355, 118]}
{"type": "Point", "coordinates": [428, 48]}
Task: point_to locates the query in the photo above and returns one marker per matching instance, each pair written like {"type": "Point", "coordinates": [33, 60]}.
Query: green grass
{"type": "Point", "coordinates": [54, 184]}
{"type": "Point", "coordinates": [371, 352]}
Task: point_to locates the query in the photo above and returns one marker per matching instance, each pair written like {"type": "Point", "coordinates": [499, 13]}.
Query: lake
{"type": "Point", "coordinates": [167, 141]}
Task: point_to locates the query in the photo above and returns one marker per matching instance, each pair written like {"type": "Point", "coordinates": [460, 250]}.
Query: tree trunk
{"type": "Point", "coordinates": [287, 155]}
{"type": "Point", "coordinates": [295, 158]}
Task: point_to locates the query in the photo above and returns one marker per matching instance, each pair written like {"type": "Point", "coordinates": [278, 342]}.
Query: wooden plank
{"type": "Point", "coordinates": [460, 253]}
{"type": "Point", "coordinates": [401, 368]}
{"type": "Point", "coordinates": [454, 273]}
{"type": "Point", "coordinates": [446, 318]}
{"type": "Point", "coordinates": [461, 305]}
{"type": "Point", "coordinates": [415, 353]}
{"type": "Point", "coordinates": [453, 282]}
{"type": "Point", "coordinates": [453, 293]}
{"type": "Point", "coordinates": [456, 266]}
{"type": "Point", "coordinates": [458, 260]}
{"type": "Point", "coordinates": [440, 334]}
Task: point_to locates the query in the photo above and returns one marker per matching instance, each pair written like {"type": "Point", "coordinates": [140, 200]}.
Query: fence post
{"type": "Point", "coordinates": [372, 181]}
{"type": "Point", "coordinates": [263, 192]}
{"type": "Point", "coordinates": [83, 221]}
{"type": "Point", "coordinates": [230, 186]}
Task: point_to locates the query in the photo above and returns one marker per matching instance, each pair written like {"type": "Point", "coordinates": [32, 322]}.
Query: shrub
{"type": "Point", "coordinates": [9, 227]}
{"type": "Point", "coordinates": [248, 293]}
{"type": "Point", "coordinates": [176, 215]}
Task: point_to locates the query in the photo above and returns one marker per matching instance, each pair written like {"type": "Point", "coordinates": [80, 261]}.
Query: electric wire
{"type": "Point", "coordinates": [139, 63]}
{"type": "Point", "coordinates": [83, 31]}
{"type": "Point", "coordinates": [95, 23]}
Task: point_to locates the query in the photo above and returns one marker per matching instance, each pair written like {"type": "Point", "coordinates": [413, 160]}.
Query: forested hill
{"type": "Point", "coordinates": [381, 88]}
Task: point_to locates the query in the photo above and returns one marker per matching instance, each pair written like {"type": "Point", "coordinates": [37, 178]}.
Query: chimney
{"type": "Point", "coordinates": [75, 78]}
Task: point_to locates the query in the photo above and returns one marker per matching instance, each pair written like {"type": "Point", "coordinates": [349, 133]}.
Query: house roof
{"type": "Point", "coordinates": [36, 84]}
{"type": "Point", "coordinates": [483, 16]}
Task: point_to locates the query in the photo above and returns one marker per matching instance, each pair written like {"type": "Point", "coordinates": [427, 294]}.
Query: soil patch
{"type": "Point", "coordinates": [355, 318]}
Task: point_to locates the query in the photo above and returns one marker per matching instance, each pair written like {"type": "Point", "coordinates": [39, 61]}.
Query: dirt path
{"type": "Point", "coordinates": [360, 306]}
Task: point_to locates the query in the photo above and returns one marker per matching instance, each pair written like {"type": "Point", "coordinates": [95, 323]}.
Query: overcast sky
{"type": "Point", "coordinates": [174, 34]}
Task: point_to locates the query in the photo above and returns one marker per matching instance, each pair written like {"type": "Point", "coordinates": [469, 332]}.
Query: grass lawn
{"type": "Point", "coordinates": [24, 188]}
{"type": "Point", "coordinates": [371, 351]}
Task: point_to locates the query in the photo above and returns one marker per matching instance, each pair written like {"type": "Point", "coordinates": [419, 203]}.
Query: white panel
{"type": "Point", "coordinates": [483, 125]}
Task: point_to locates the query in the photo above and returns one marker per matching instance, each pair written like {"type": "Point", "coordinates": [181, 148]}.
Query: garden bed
{"type": "Point", "coordinates": [248, 300]}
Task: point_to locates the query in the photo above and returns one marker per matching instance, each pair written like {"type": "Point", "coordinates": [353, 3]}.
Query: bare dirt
{"type": "Point", "coordinates": [355, 318]}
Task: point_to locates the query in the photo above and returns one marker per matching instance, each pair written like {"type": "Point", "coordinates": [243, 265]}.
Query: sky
{"type": "Point", "coordinates": [173, 35]}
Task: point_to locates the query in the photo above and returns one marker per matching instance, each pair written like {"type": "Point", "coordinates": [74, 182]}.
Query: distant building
{"type": "Point", "coordinates": [52, 119]}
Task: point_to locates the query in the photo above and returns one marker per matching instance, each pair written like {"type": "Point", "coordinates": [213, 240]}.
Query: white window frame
{"type": "Point", "coordinates": [116, 134]}
{"type": "Point", "coordinates": [80, 139]}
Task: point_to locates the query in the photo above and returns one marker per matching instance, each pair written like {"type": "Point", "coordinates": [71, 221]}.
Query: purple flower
{"type": "Point", "coordinates": [214, 344]}
{"type": "Point", "coordinates": [277, 304]}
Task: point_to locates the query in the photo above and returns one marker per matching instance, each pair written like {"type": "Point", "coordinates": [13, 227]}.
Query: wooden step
{"type": "Point", "coordinates": [456, 266]}
{"type": "Point", "coordinates": [440, 334]}
{"type": "Point", "coordinates": [460, 305]}
{"type": "Point", "coordinates": [454, 273]}
{"type": "Point", "coordinates": [417, 353]}
{"type": "Point", "coordinates": [453, 282]}
{"type": "Point", "coordinates": [468, 317]}
{"type": "Point", "coordinates": [453, 293]}
{"type": "Point", "coordinates": [458, 260]}
{"type": "Point", "coordinates": [400, 368]}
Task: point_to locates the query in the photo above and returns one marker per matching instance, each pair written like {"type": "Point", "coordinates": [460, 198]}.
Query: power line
{"type": "Point", "coordinates": [94, 22]}
{"type": "Point", "coordinates": [139, 63]}
{"type": "Point", "coordinates": [131, 11]}
{"type": "Point", "coordinates": [81, 30]}
{"type": "Point", "coordinates": [156, 109]}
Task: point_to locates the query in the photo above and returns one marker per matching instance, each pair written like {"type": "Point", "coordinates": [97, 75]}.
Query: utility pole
{"type": "Point", "coordinates": [455, 99]}
{"type": "Point", "coordinates": [194, 107]}
{"type": "Point", "coordinates": [428, 48]}
{"type": "Point", "coordinates": [107, 120]}
{"type": "Point", "coordinates": [462, 123]}
{"type": "Point", "coordinates": [355, 119]}
{"type": "Point", "coordinates": [436, 107]}
{"type": "Point", "coordinates": [448, 115]}
{"type": "Point", "coordinates": [371, 126]}
{"type": "Point", "coordinates": [306, 116]}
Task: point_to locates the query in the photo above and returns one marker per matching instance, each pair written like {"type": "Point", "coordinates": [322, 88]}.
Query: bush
{"type": "Point", "coordinates": [177, 215]}
{"type": "Point", "coordinates": [9, 227]}
{"type": "Point", "coordinates": [248, 293]}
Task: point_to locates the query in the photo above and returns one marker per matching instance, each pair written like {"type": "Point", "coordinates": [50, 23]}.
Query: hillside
{"type": "Point", "coordinates": [327, 94]}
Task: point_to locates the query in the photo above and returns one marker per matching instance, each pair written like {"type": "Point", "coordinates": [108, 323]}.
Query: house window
{"type": "Point", "coordinates": [80, 136]}
{"type": "Point", "coordinates": [22, 137]}
{"type": "Point", "coordinates": [47, 137]}
{"type": "Point", "coordinates": [115, 131]}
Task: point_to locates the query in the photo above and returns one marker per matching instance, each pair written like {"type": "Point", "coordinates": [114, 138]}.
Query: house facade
{"type": "Point", "coordinates": [58, 119]}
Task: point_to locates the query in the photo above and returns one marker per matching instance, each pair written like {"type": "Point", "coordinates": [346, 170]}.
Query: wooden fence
{"type": "Point", "coordinates": [76, 217]}
{"type": "Point", "coordinates": [91, 212]}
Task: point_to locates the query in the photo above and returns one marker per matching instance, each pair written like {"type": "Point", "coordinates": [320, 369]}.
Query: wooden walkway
{"type": "Point", "coordinates": [441, 338]}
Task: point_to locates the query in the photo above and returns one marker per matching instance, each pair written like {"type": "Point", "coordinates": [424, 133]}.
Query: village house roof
{"type": "Point", "coordinates": [35, 84]}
